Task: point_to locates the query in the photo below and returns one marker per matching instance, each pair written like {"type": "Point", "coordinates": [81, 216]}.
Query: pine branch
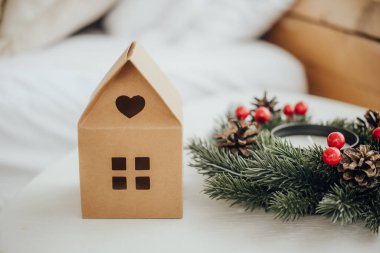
{"type": "Point", "coordinates": [371, 213]}
{"type": "Point", "coordinates": [365, 137]}
{"type": "Point", "coordinates": [275, 172]}
{"type": "Point", "coordinates": [291, 205]}
{"type": "Point", "coordinates": [341, 204]}
{"type": "Point", "coordinates": [277, 164]}
{"type": "Point", "coordinates": [372, 220]}
{"type": "Point", "coordinates": [277, 119]}
{"type": "Point", "coordinates": [210, 160]}
{"type": "Point", "coordinates": [340, 122]}
{"type": "Point", "coordinates": [238, 190]}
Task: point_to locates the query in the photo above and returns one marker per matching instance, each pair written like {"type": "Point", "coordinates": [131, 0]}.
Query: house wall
{"type": "Point", "coordinates": [164, 148]}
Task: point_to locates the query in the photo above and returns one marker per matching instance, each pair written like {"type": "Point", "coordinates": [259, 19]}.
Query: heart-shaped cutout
{"type": "Point", "coordinates": [130, 106]}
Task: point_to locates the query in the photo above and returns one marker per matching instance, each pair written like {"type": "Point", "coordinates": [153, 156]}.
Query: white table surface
{"type": "Point", "coordinates": [46, 216]}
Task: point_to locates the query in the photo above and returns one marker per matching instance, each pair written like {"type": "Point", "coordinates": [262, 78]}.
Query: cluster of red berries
{"type": "Point", "coordinates": [263, 114]}
{"type": "Point", "coordinates": [335, 141]}
{"type": "Point", "coordinates": [300, 109]}
{"type": "Point", "coordinates": [332, 155]}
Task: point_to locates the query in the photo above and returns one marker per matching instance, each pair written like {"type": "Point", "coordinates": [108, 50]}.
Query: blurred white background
{"type": "Point", "coordinates": [54, 53]}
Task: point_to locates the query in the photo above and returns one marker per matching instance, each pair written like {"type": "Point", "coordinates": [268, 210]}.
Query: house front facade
{"type": "Point", "coordinates": [130, 144]}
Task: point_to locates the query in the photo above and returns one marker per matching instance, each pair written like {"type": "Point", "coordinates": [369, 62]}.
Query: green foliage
{"type": "Point", "coordinates": [341, 204]}
{"type": "Point", "coordinates": [209, 160]}
{"type": "Point", "coordinates": [238, 190]}
{"type": "Point", "coordinates": [277, 164]}
{"type": "Point", "coordinates": [289, 181]}
{"type": "Point", "coordinates": [291, 205]}
{"type": "Point", "coordinates": [371, 213]}
{"type": "Point", "coordinates": [277, 120]}
{"type": "Point", "coordinates": [372, 220]}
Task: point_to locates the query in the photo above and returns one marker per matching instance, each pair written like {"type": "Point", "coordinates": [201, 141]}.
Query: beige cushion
{"type": "Point", "coordinates": [354, 16]}
{"type": "Point", "coordinates": [36, 23]}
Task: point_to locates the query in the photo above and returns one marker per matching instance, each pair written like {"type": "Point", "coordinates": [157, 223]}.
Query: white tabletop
{"type": "Point", "coordinates": [46, 217]}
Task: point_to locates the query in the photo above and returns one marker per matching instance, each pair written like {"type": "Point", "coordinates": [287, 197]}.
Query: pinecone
{"type": "Point", "coordinates": [238, 136]}
{"type": "Point", "coordinates": [372, 118]}
{"type": "Point", "coordinates": [360, 167]}
{"type": "Point", "coordinates": [268, 103]}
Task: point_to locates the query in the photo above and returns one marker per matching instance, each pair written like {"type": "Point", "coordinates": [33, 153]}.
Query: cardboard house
{"type": "Point", "coordinates": [130, 143]}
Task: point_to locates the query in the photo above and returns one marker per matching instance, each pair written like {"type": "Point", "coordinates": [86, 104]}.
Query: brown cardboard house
{"type": "Point", "coordinates": [130, 143]}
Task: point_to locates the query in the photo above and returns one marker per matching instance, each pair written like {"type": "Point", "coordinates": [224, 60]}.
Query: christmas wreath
{"type": "Point", "coordinates": [246, 165]}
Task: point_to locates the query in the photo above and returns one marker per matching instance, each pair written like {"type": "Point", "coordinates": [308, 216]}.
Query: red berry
{"type": "Point", "coordinates": [241, 112]}
{"type": "Point", "coordinates": [336, 140]}
{"type": "Point", "coordinates": [331, 156]}
{"type": "Point", "coordinates": [376, 134]}
{"type": "Point", "coordinates": [288, 110]}
{"type": "Point", "coordinates": [301, 108]}
{"type": "Point", "coordinates": [262, 115]}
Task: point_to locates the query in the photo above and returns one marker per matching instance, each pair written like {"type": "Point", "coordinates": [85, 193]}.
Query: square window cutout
{"type": "Point", "coordinates": [119, 163]}
{"type": "Point", "coordinates": [142, 163]}
{"type": "Point", "coordinates": [142, 183]}
{"type": "Point", "coordinates": [119, 183]}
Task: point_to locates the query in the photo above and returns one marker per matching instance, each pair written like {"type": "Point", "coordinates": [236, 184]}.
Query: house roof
{"type": "Point", "coordinates": [150, 71]}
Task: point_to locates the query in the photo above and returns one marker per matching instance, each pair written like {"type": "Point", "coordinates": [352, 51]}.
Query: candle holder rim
{"type": "Point", "coordinates": [344, 131]}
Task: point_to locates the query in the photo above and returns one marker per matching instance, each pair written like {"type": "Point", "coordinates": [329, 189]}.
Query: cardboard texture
{"type": "Point", "coordinates": [130, 143]}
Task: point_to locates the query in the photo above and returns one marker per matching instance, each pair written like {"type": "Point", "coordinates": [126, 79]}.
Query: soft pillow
{"type": "Point", "coordinates": [186, 20]}
{"type": "Point", "coordinates": [36, 23]}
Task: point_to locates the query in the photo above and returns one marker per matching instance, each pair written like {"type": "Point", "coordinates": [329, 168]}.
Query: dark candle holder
{"type": "Point", "coordinates": [292, 129]}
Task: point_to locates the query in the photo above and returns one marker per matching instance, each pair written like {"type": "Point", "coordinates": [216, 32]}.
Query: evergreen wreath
{"type": "Point", "coordinates": [244, 164]}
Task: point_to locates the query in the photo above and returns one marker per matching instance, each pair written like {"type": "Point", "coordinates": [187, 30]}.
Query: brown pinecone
{"type": "Point", "coordinates": [238, 136]}
{"type": "Point", "coordinates": [268, 103]}
{"type": "Point", "coordinates": [372, 119]}
{"type": "Point", "coordinates": [360, 166]}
